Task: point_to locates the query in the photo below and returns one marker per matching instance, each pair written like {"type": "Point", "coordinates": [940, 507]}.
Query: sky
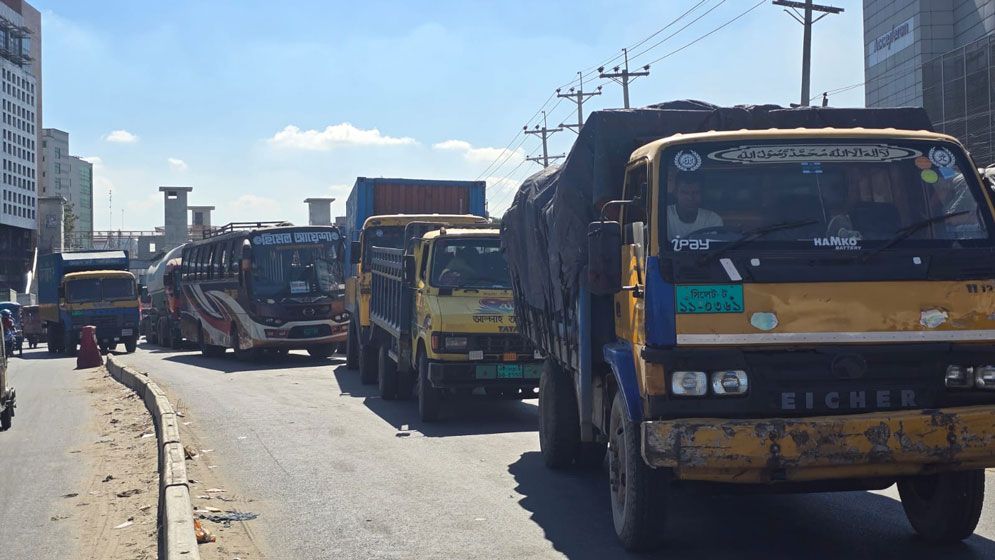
{"type": "Point", "coordinates": [259, 105]}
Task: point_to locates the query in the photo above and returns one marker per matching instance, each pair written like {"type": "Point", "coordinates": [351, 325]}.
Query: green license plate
{"type": "Point", "coordinates": [710, 298]}
{"type": "Point", "coordinates": [309, 331]}
{"type": "Point", "coordinates": [509, 371]}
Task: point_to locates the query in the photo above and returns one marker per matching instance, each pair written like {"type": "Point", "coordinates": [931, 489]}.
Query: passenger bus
{"type": "Point", "coordinates": [264, 287]}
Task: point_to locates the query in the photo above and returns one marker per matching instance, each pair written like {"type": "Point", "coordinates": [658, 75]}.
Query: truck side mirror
{"type": "Point", "coordinates": [604, 258]}
{"type": "Point", "coordinates": [62, 292]}
{"type": "Point", "coordinates": [354, 249]}
{"type": "Point", "coordinates": [409, 270]}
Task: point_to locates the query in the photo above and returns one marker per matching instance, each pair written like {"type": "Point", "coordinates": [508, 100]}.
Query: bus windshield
{"type": "Point", "coordinates": [819, 195]}
{"type": "Point", "coordinates": [470, 263]}
{"type": "Point", "coordinates": [298, 270]}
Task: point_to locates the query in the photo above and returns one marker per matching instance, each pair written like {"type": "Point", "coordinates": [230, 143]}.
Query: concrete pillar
{"type": "Point", "coordinates": [200, 221]}
{"type": "Point", "coordinates": [51, 221]}
{"type": "Point", "coordinates": [175, 208]}
{"type": "Point", "coordinates": [319, 211]}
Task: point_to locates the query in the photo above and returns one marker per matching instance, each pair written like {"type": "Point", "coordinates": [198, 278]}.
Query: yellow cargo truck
{"type": "Point", "coordinates": [786, 310]}
{"type": "Point", "coordinates": [382, 231]}
{"type": "Point", "coordinates": [443, 320]}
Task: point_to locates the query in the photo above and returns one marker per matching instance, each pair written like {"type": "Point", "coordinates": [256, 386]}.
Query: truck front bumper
{"type": "Point", "coordinates": [885, 444]}
{"type": "Point", "coordinates": [452, 375]}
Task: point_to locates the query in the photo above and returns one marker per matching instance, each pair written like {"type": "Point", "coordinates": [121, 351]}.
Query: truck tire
{"type": "Point", "coordinates": [559, 420]}
{"type": "Point", "coordinates": [638, 492]}
{"type": "Point", "coordinates": [352, 346]}
{"type": "Point", "coordinates": [386, 375]}
{"type": "Point", "coordinates": [52, 342]}
{"type": "Point", "coordinates": [368, 373]}
{"type": "Point", "coordinates": [236, 344]}
{"type": "Point", "coordinates": [6, 418]}
{"type": "Point", "coordinates": [130, 344]}
{"type": "Point", "coordinates": [208, 350]}
{"type": "Point", "coordinates": [429, 398]}
{"type": "Point", "coordinates": [175, 337]}
{"type": "Point", "coordinates": [944, 508]}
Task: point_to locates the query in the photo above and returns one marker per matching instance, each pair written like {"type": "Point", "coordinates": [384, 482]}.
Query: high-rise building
{"type": "Point", "coordinates": [20, 105]}
{"type": "Point", "coordinates": [71, 178]}
{"type": "Point", "coordinates": [938, 54]}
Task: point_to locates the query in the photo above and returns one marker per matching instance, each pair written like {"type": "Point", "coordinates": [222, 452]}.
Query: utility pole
{"type": "Point", "coordinates": [578, 97]}
{"type": "Point", "coordinates": [544, 133]}
{"type": "Point", "coordinates": [805, 18]}
{"type": "Point", "coordinates": [623, 77]}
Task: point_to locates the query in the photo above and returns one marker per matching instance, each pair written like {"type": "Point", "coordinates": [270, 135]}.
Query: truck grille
{"type": "Point", "coordinates": [500, 344]}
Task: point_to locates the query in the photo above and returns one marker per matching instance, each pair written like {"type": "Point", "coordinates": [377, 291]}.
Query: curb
{"type": "Point", "coordinates": [177, 540]}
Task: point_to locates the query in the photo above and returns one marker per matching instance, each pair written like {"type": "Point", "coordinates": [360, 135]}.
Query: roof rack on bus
{"type": "Point", "coordinates": [240, 226]}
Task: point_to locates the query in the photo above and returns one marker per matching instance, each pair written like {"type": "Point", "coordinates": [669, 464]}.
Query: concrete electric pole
{"type": "Point", "coordinates": [578, 97]}
{"type": "Point", "coordinates": [623, 77]}
{"type": "Point", "coordinates": [544, 133]}
{"type": "Point", "coordinates": [805, 18]}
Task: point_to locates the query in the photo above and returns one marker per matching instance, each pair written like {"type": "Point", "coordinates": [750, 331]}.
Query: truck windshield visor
{"type": "Point", "coordinates": [83, 291]}
{"type": "Point", "coordinates": [297, 270]}
{"type": "Point", "coordinates": [117, 288]}
{"type": "Point", "coordinates": [470, 263]}
{"type": "Point", "coordinates": [821, 195]}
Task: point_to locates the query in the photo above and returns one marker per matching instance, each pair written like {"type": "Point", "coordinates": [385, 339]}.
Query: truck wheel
{"type": "Point", "coordinates": [236, 344]}
{"type": "Point", "coordinates": [368, 373]}
{"type": "Point", "coordinates": [387, 375]}
{"type": "Point", "coordinates": [638, 492]}
{"type": "Point", "coordinates": [321, 350]}
{"type": "Point", "coordinates": [559, 420]}
{"type": "Point", "coordinates": [6, 418]}
{"type": "Point", "coordinates": [208, 350]}
{"type": "Point", "coordinates": [946, 507]}
{"type": "Point", "coordinates": [130, 344]}
{"type": "Point", "coordinates": [175, 338]}
{"type": "Point", "coordinates": [352, 347]}
{"type": "Point", "coordinates": [429, 398]}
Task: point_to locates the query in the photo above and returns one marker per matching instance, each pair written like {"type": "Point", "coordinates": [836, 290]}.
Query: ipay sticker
{"type": "Point", "coordinates": [929, 176]}
{"type": "Point", "coordinates": [922, 162]}
{"type": "Point", "coordinates": [687, 160]}
{"type": "Point", "coordinates": [941, 157]}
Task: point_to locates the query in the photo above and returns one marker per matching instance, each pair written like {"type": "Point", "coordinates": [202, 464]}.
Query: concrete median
{"type": "Point", "coordinates": [175, 509]}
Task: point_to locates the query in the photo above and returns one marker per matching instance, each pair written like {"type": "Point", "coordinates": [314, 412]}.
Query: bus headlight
{"type": "Point", "coordinates": [730, 382]}
{"type": "Point", "coordinates": [984, 377]}
{"type": "Point", "coordinates": [689, 383]}
{"type": "Point", "coordinates": [959, 377]}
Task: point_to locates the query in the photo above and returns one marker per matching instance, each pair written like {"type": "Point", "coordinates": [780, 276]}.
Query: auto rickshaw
{"type": "Point", "coordinates": [32, 327]}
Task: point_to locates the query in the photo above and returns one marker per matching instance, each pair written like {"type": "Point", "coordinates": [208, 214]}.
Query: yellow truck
{"type": "Point", "coordinates": [443, 319]}
{"type": "Point", "coordinates": [382, 231]}
{"type": "Point", "coordinates": [799, 309]}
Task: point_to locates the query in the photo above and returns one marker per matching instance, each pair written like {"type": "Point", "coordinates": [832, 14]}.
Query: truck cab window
{"type": "Point", "coordinates": [634, 215]}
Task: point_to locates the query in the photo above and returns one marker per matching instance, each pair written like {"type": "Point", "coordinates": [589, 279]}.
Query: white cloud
{"type": "Point", "coordinates": [479, 155]}
{"type": "Point", "coordinates": [177, 164]}
{"type": "Point", "coordinates": [254, 202]}
{"type": "Point", "coordinates": [344, 134]}
{"type": "Point", "coordinates": [95, 161]}
{"type": "Point", "coordinates": [121, 137]}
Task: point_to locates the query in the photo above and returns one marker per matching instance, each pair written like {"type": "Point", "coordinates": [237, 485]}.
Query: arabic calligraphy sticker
{"type": "Point", "coordinates": [941, 157]}
{"type": "Point", "coordinates": [687, 160]}
{"type": "Point", "coordinates": [922, 162]}
{"type": "Point", "coordinates": [929, 176]}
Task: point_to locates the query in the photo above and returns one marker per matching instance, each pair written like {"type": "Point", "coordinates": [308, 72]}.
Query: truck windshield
{"type": "Point", "coordinates": [470, 263]}
{"type": "Point", "coordinates": [296, 270]}
{"type": "Point", "coordinates": [99, 289]}
{"type": "Point", "coordinates": [117, 288]}
{"type": "Point", "coordinates": [385, 236]}
{"type": "Point", "coordinates": [82, 291]}
{"type": "Point", "coordinates": [819, 195]}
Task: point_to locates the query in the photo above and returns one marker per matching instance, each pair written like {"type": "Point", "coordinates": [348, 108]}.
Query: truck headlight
{"type": "Point", "coordinates": [984, 377]}
{"type": "Point", "coordinates": [689, 383]}
{"type": "Point", "coordinates": [959, 377]}
{"type": "Point", "coordinates": [455, 344]}
{"type": "Point", "coordinates": [730, 382]}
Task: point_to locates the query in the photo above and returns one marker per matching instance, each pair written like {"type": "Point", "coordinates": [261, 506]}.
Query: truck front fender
{"type": "Point", "coordinates": [619, 356]}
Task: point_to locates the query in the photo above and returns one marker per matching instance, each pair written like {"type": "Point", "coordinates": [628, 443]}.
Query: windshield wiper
{"type": "Point", "coordinates": [908, 230]}
{"type": "Point", "coordinates": [752, 235]}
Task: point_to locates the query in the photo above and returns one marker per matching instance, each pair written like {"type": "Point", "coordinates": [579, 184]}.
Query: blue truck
{"type": "Point", "coordinates": [81, 288]}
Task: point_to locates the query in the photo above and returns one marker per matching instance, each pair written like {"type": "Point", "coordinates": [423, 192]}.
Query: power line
{"type": "Point", "coordinates": [545, 132]}
{"type": "Point", "coordinates": [730, 22]}
{"type": "Point", "coordinates": [578, 97]}
{"type": "Point", "coordinates": [688, 24]}
{"type": "Point", "coordinates": [624, 77]}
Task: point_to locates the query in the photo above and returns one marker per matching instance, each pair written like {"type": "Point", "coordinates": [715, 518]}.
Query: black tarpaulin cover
{"type": "Point", "coordinates": [544, 232]}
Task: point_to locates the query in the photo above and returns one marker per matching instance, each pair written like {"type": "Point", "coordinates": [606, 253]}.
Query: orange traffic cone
{"type": "Point", "coordinates": [88, 355]}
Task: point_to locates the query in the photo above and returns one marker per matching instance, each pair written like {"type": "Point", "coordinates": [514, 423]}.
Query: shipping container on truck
{"type": "Point", "coordinates": [380, 196]}
{"type": "Point", "coordinates": [101, 292]}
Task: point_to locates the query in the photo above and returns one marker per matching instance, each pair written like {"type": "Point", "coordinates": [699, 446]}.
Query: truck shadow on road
{"type": "Point", "coordinates": [460, 417]}
{"type": "Point", "coordinates": [573, 510]}
{"type": "Point", "coordinates": [229, 364]}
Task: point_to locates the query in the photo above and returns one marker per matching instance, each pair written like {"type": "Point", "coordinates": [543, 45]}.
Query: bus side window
{"type": "Point", "coordinates": [184, 259]}
{"type": "Point", "coordinates": [223, 261]}
{"type": "Point", "coordinates": [201, 262]}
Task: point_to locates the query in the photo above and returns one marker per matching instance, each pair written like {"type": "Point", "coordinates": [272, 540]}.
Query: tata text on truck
{"type": "Point", "coordinates": [162, 321]}
{"type": "Point", "coordinates": [264, 287]}
{"type": "Point", "coordinates": [796, 308]}
{"type": "Point", "coordinates": [443, 320]}
{"type": "Point", "coordinates": [82, 288]}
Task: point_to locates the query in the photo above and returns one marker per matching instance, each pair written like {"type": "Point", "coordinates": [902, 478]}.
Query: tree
{"type": "Point", "coordinates": [69, 220]}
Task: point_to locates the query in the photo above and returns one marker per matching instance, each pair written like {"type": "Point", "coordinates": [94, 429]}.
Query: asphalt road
{"type": "Point", "coordinates": [337, 472]}
{"type": "Point", "coordinates": [37, 466]}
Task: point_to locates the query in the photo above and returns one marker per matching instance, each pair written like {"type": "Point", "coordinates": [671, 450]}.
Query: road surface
{"type": "Point", "coordinates": [338, 472]}
{"type": "Point", "coordinates": [37, 463]}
